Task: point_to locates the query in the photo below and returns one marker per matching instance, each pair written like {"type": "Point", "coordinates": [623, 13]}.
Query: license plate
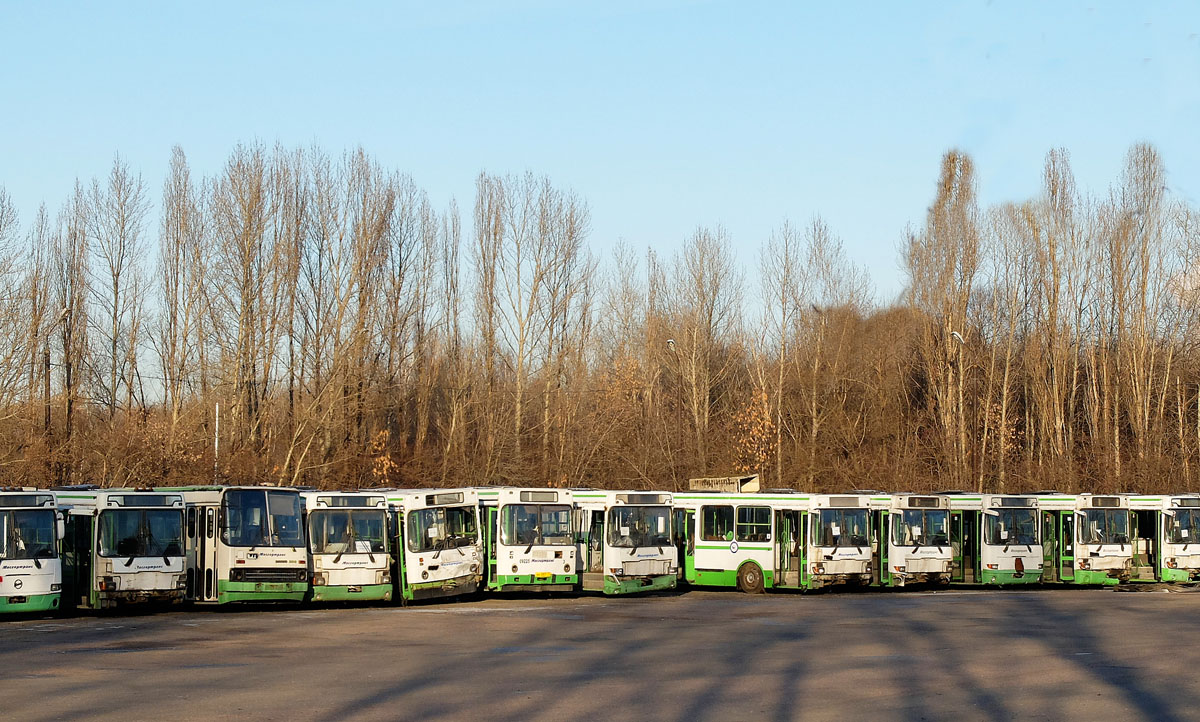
{"type": "Point", "coordinates": [543, 575]}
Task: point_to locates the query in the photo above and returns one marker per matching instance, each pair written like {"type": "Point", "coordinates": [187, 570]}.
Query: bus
{"type": "Point", "coordinates": [1165, 547]}
{"type": "Point", "coordinates": [122, 546]}
{"type": "Point", "coordinates": [995, 538]}
{"type": "Point", "coordinates": [1103, 549]}
{"type": "Point", "coordinates": [439, 551]}
{"type": "Point", "coordinates": [530, 539]}
{"type": "Point", "coordinates": [842, 546]}
{"type": "Point", "coordinates": [745, 540]}
{"type": "Point", "coordinates": [31, 575]}
{"type": "Point", "coordinates": [626, 541]}
{"type": "Point", "coordinates": [918, 547]}
{"type": "Point", "coordinates": [349, 554]}
{"type": "Point", "coordinates": [244, 544]}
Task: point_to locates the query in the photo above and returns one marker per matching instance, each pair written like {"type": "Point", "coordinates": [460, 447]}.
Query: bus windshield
{"type": "Point", "coordinates": [141, 533]}
{"type": "Point", "coordinates": [347, 531]}
{"type": "Point", "coordinates": [442, 527]}
{"type": "Point", "coordinates": [639, 526]}
{"type": "Point", "coordinates": [842, 527]}
{"type": "Point", "coordinates": [1010, 526]}
{"type": "Point", "coordinates": [1105, 526]}
{"type": "Point", "coordinates": [27, 534]}
{"type": "Point", "coordinates": [919, 527]}
{"type": "Point", "coordinates": [254, 517]}
{"type": "Point", "coordinates": [546, 524]}
{"type": "Point", "coordinates": [1183, 527]}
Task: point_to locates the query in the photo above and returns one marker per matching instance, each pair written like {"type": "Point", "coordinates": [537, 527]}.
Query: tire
{"type": "Point", "coordinates": [750, 578]}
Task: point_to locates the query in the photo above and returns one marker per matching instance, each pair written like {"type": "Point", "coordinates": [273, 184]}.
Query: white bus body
{"type": "Point", "coordinates": [126, 546]}
{"type": "Point", "coordinates": [626, 541]}
{"type": "Point", "coordinates": [530, 539]}
{"type": "Point", "coordinates": [31, 572]}
{"type": "Point", "coordinates": [439, 548]}
{"type": "Point", "coordinates": [841, 547]}
{"type": "Point", "coordinates": [244, 544]}
{"type": "Point", "coordinates": [918, 539]}
{"type": "Point", "coordinates": [348, 546]}
{"type": "Point", "coordinates": [1103, 539]}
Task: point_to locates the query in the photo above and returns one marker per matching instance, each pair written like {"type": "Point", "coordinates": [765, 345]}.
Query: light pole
{"type": "Point", "coordinates": [678, 409]}
{"type": "Point", "coordinates": [961, 441]}
{"type": "Point", "coordinates": [47, 429]}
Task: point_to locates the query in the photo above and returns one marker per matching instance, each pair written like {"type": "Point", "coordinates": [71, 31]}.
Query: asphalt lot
{"type": "Point", "coordinates": [1046, 654]}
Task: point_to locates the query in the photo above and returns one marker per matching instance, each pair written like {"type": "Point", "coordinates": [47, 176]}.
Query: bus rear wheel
{"type": "Point", "coordinates": [750, 578]}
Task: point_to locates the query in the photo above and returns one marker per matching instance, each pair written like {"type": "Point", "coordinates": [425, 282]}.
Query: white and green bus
{"type": "Point", "coordinates": [1163, 534]}
{"type": "Point", "coordinates": [918, 547]}
{"type": "Point", "coordinates": [244, 544]}
{"type": "Point", "coordinates": [31, 574]}
{"type": "Point", "coordinates": [625, 543]}
{"type": "Point", "coordinates": [349, 555]}
{"type": "Point", "coordinates": [774, 540]}
{"type": "Point", "coordinates": [1178, 555]}
{"type": "Point", "coordinates": [123, 546]}
{"type": "Point", "coordinates": [1103, 547]}
{"type": "Point", "coordinates": [996, 539]}
{"type": "Point", "coordinates": [530, 539]}
{"type": "Point", "coordinates": [439, 550]}
{"type": "Point", "coordinates": [752, 541]}
{"type": "Point", "coordinates": [843, 543]}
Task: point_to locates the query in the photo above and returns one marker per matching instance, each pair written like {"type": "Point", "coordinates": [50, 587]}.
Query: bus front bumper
{"type": "Point", "coordinates": [261, 591]}
{"type": "Point", "coordinates": [351, 593]}
{"type": "Point", "coordinates": [30, 603]}
{"type": "Point", "coordinates": [638, 585]}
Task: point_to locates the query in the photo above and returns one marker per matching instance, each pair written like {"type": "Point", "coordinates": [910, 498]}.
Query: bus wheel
{"type": "Point", "coordinates": [750, 578]}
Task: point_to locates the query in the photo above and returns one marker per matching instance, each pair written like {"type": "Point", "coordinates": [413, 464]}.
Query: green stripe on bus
{"type": "Point", "coordinates": [747, 498]}
{"type": "Point", "coordinates": [740, 547]}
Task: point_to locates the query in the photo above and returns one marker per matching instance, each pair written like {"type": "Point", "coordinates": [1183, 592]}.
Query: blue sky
{"type": "Point", "coordinates": [662, 115]}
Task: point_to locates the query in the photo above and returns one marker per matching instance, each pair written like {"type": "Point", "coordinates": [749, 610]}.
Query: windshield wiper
{"type": "Point", "coordinates": [348, 538]}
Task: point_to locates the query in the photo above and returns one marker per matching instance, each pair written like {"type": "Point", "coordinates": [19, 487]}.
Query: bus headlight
{"type": "Point", "coordinates": [383, 577]}
{"type": "Point", "coordinates": [1085, 564]}
{"type": "Point", "coordinates": [318, 580]}
{"type": "Point", "coordinates": [818, 569]}
{"type": "Point", "coordinates": [181, 582]}
{"type": "Point", "coordinates": [424, 573]}
{"type": "Point", "coordinates": [109, 584]}
{"type": "Point", "coordinates": [1172, 563]}
{"type": "Point", "coordinates": [56, 587]}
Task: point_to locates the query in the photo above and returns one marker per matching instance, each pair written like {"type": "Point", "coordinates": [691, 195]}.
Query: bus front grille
{"type": "Point", "coordinates": [268, 575]}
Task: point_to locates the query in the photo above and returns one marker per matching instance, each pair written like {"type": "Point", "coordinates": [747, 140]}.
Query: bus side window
{"type": "Point", "coordinates": [191, 522]}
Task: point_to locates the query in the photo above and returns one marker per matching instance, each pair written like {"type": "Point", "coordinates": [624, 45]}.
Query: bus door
{"type": "Point", "coordinates": [970, 547]}
{"type": "Point", "coordinates": [491, 531]}
{"type": "Point", "coordinates": [956, 546]}
{"type": "Point", "coordinates": [788, 548]}
{"type": "Point", "coordinates": [207, 556]}
{"type": "Point", "coordinates": [78, 551]}
{"type": "Point", "coordinates": [1066, 545]}
{"type": "Point", "coordinates": [805, 540]}
{"type": "Point", "coordinates": [1145, 541]}
{"type": "Point", "coordinates": [881, 572]}
{"type": "Point", "coordinates": [593, 578]}
{"type": "Point", "coordinates": [685, 535]}
{"type": "Point", "coordinates": [1049, 548]}
{"type": "Point", "coordinates": [194, 529]}
{"type": "Point", "coordinates": [399, 558]}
